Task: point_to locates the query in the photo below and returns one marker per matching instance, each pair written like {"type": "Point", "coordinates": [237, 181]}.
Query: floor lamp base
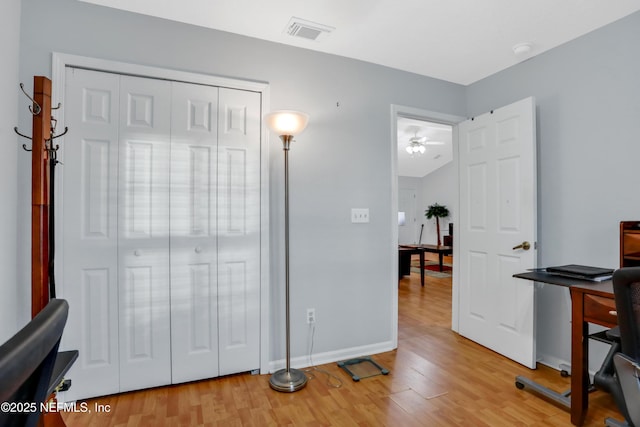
{"type": "Point", "coordinates": [288, 381]}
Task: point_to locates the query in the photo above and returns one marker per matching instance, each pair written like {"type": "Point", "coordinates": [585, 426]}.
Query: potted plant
{"type": "Point", "coordinates": [437, 211]}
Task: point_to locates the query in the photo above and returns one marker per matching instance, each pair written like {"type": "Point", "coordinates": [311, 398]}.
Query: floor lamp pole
{"type": "Point", "coordinates": [287, 380]}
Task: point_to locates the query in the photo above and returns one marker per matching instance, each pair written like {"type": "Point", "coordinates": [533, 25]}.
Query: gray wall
{"type": "Point", "coordinates": [440, 186]}
{"type": "Point", "coordinates": [588, 109]}
{"type": "Point", "coordinates": [341, 161]}
{"type": "Point", "coordinates": [9, 89]}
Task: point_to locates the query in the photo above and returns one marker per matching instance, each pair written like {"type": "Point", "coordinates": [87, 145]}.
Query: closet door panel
{"type": "Point", "coordinates": [194, 304]}
{"type": "Point", "coordinates": [88, 208]}
{"type": "Point", "coordinates": [239, 230]}
{"type": "Point", "coordinates": [143, 233]}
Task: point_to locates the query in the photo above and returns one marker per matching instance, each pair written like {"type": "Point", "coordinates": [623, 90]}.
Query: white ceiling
{"type": "Point", "coordinates": [460, 41]}
{"type": "Point", "coordinates": [435, 157]}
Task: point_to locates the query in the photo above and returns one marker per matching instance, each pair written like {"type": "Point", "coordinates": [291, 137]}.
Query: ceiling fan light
{"type": "Point", "coordinates": [415, 148]}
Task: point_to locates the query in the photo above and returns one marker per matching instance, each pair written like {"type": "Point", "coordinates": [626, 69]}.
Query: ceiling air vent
{"type": "Point", "coordinates": [306, 29]}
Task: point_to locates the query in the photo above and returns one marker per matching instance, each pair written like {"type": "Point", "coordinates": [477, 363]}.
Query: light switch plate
{"type": "Point", "coordinates": [359, 215]}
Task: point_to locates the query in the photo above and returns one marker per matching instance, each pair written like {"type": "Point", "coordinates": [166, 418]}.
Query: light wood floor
{"type": "Point", "coordinates": [437, 378]}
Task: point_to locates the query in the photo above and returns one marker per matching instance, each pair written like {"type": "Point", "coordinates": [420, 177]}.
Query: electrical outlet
{"type": "Point", "coordinates": [311, 316]}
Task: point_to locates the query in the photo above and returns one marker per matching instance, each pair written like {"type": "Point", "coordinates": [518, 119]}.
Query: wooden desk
{"type": "Point", "coordinates": [404, 260]}
{"type": "Point", "coordinates": [408, 250]}
{"type": "Point", "coordinates": [591, 302]}
{"type": "Point", "coordinates": [441, 250]}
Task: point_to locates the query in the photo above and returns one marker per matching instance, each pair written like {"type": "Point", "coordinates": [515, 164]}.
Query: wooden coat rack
{"type": "Point", "coordinates": [43, 161]}
{"type": "Point", "coordinates": [40, 196]}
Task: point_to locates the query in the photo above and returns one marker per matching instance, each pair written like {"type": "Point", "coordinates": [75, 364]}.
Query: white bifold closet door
{"type": "Point", "coordinates": [215, 231]}
{"type": "Point", "coordinates": [143, 232]}
{"type": "Point", "coordinates": [238, 230]}
{"type": "Point", "coordinates": [161, 223]}
{"type": "Point", "coordinates": [194, 245]}
{"type": "Point", "coordinates": [89, 235]}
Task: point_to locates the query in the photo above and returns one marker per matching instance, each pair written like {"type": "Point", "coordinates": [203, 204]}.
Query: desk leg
{"type": "Point", "coordinates": [422, 268]}
{"type": "Point", "coordinates": [579, 360]}
{"type": "Point", "coordinates": [440, 256]}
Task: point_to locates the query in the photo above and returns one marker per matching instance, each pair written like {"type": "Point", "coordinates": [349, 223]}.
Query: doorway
{"type": "Point", "coordinates": [414, 116]}
{"type": "Point", "coordinates": [425, 176]}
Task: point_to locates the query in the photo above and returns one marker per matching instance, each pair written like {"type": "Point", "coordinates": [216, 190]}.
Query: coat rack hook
{"type": "Point", "coordinates": [57, 107]}
{"type": "Point", "coordinates": [66, 129]}
{"type": "Point", "coordinates": [36, 107]}
{"type": "Point", "coordinates": [15, 129]}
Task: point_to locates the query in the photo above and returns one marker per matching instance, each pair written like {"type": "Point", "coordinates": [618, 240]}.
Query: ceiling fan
{"type": "Point", "coordinates": [417, 144]}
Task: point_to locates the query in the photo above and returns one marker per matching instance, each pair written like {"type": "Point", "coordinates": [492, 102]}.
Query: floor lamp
{"type": "Point", "coordinates": [287, 124]}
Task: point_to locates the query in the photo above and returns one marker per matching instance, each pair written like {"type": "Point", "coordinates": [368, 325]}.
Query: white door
{"type": "Point", "coordinates": [194, 296]}
{"type": "Point", "coordinates": [89, 236]}
{"type": "Point", "coordinates": [498, 213]}
{"type": "Point", "coordinates": [143, 232]}
{"type": "Point", "coordinates": [239, 125]}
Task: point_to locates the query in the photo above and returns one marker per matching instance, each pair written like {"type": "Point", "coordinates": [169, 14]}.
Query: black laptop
{"type": "Point", "coordinates": [581, 272]}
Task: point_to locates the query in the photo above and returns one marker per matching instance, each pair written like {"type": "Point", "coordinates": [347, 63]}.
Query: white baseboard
{"type": "Point", "coordinates": [553, 362]}
{"type": "Point", "coordinates": [559, 364]}
{"type": "Point", "coordinates": [332, 356]}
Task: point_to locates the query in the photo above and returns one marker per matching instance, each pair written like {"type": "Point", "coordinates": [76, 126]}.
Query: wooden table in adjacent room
{"type": "Point", "coordinates": [405, 251]}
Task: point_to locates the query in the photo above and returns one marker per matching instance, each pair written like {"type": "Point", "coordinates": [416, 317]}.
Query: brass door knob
{"type": "Point", "coordinates": [524, 245]}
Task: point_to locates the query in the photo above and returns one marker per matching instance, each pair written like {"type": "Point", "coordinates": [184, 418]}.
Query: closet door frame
{"type": "Point", "coordinates": [59, 64]}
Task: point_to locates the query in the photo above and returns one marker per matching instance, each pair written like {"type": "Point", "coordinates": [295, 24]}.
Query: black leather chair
{"type": "Point", "coordinates": [26, 364]}
{"type": "Point", "coordinates": [626, 289]}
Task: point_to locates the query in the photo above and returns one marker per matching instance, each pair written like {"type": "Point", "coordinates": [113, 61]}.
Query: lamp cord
{"type": "Point", "coordinates": [332, 380]}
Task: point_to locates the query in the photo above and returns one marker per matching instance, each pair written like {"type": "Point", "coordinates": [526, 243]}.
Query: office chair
{"type": "Point", "coordinates": [605, 379]}
{"type": "Point", "coordinates": [626, 290]}
{"type": "Point", "coordinates": [26, 363]}
{"type": "Point", "coordinates": [628, 372]}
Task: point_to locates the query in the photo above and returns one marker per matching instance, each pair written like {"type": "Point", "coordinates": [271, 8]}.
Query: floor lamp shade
{"type": "Point", "coordinates": [287, 124]}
